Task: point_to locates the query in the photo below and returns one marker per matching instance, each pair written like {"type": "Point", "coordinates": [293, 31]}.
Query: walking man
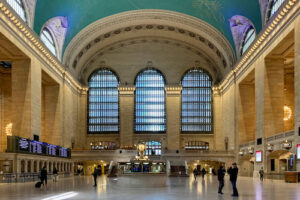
{"type": "Point", "coordinates": [203, 172]}
{"type": "Point", "coordinates": [261, 174]}
{"type": "Point", "coordinates": [221, 174]}
{"type": "Point", "coordinates": [44, 176]}
{"type": "Point", "coordinates": [195, 172]}
{"type": "Point", "coordinates": [55, 174]}
{"type": "Point", "coordinates": [95, 175]}
{"type": "Point", "coordinates": [233, 172]}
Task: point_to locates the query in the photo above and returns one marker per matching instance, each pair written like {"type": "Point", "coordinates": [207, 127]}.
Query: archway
{"type": "Point", "coordinates": [278, 163]}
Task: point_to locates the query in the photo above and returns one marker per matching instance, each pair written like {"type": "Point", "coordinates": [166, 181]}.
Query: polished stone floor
{"type": "Point", "coordinates": [154, 187]}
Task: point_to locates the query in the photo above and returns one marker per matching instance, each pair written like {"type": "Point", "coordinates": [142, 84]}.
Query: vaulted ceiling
{"type": "Point", "coordinates": [82, 13]}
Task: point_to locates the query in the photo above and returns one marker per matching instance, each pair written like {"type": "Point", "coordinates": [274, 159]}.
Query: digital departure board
{"type": "Point", "coordinates": [22, 145]}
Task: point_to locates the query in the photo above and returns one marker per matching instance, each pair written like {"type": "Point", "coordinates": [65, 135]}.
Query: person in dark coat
{"type": "Point", "coordinates": [195, 172]}
{"type": "Point", "coordinates": [55, 174]}
{"type": "Point", "coordinates": [203, 172]}
{"type": "Point", "coordinates": [261, 174]}
{"type": "Point", "coordinates": [221, 174]}
{"type": "Point", "coordinates": [95, 175]}
{"type": "Point", "coordinates": [233, 172]}
{"type": "Point", "coordinates": [44, 176]}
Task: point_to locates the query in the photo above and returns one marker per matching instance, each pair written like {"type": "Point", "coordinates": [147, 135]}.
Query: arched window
{"type": "Point", "coordinates": [48, 40]}
{"type": "Point", "coordinates": [18, 7]}
{"type": "Point", "coordinates": [103, 102]}
{"type": "Point", "coordinates": [248, 38]}
{"type": "Point", "coordinates": [196, 102]}
{"type": "Point", "coordinates": [150, 109]}
{"type": "Point", "coordinates": [274, 6]}
{"type": "Point", "coordinates": [153, 148]}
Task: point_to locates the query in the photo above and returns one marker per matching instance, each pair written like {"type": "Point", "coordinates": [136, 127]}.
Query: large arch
{"type": "Point", "coordinates": [111, 33]}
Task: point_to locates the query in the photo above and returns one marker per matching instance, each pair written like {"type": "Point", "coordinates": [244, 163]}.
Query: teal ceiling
{"type": "Point", "coordinates": [81, 13]}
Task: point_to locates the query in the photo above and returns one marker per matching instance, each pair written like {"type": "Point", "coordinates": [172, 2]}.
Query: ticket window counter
{"type": "Point", "coordinates": [158, 167]}
{"type": "Point", "coordinates": [125, 168]}
{"type": "Point", "coordinates": [137, 167]}
{"type": "Point", "coordinates": [146, 167]}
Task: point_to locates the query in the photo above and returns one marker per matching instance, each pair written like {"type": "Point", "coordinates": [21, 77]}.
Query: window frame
{"type": "Point", "coordinates": [271, 5]}
{"type": "Point", "coordinates": [21, 6]}
{"type": "Point", "coordinates": [46, 29]}
{"type": "Point", "coordinates": [211, 102]}
{"type": "Point", "coordinates": [165, 107]}
{"type": "Point", "coordinates": [88, 104]}
{"type": "Point", "coordinates": [246, 39]}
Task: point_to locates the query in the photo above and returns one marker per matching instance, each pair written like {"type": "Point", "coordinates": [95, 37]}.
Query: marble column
{"type": "Point", "coordinates": [25, 166]}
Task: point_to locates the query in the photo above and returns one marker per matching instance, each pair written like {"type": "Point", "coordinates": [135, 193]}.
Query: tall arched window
{"type": "Point", "coordinates": [248, 38]}
{"type": "Point", "coordinates": [103, 102]}
{"type": "Point", "coordinates": [274, 6]}
{"type": "Point", "coordinates": [150, 109]}
{"type": "Point", "coordinates": [196, 102]}
{"type": "Point", "coordinates": [18, 7]}
{"type": "Point", "coordinates": [48, 40]}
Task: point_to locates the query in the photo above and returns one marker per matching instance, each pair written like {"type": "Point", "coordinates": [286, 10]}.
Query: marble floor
{"type": "Point", "coordinates": [154, 187]}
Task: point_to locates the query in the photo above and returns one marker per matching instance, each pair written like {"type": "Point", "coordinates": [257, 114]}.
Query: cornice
{"type": "Point", "coordinates": [173, 90]}
{"type": "Point", "coordinates": [126, 90]}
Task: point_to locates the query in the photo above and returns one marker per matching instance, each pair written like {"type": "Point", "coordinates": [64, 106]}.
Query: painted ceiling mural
{"type": "Point", "coordinates": [81, 13]}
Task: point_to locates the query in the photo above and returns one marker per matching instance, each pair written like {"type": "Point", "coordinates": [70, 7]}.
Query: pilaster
{"type": "Point", "coordinates": [173, 110]}
{"type": "Point", "coordinates": [26, 98]}
{"type": "Point", "coordinates": [297, 85]}
{"type": "Point", "coordinates": [126, 103]}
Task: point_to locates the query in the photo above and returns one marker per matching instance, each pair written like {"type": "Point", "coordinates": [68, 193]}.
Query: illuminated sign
{"type": "Point", "coordinates": [258, 156]}
{"type": "Point", "coordinates": [22, 145]}
{"type": "Point", "coordinates": [298, 152]}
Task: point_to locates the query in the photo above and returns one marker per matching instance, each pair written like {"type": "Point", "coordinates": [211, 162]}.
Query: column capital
{"type": "Point", "coordinates": [126, 90]}
{"type": "Point", "coordinates": [173, 90]}
{"type": "Point", "coordinates": [216, 91]}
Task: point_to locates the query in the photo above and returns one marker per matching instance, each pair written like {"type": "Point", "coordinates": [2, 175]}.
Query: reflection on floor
{"type": "Point", "coordinates": [152, 187]}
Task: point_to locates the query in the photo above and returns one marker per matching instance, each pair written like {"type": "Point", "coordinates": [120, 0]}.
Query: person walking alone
{"type": "Point", "coordinates": [95, 175]}
{"type": "Point", "coordinates": [55, 174]}
{"type": "Point", "coordinates": [44, 176]}
{"type": "Point", "coordinates": [261, 174]}
{"type": "Point", "coordinates": [221, 174]}
{"type": "Point", "coordinates": [195, 172]}
{"type": "Point", "coordinates": [203, 172]}
{"type": "Point", "coordinates": [233, 172]}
